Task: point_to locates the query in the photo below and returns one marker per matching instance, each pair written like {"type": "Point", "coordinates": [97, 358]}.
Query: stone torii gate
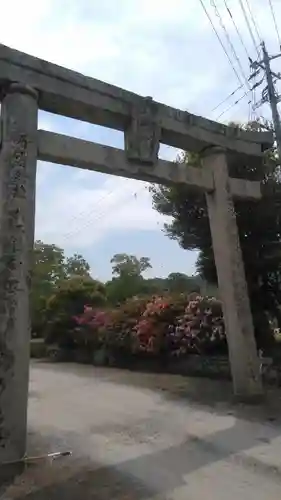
{"type": "Point", "coordinates": [28, 84]}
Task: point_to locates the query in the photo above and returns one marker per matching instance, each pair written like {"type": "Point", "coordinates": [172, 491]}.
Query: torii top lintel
{"type": "Point", "coordinates": [66, 92]}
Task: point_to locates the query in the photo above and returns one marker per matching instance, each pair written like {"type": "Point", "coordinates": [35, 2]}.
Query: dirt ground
{"type": "Point", "coordinates": [146, 436]}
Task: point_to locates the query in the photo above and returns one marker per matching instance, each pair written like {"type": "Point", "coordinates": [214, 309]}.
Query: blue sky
{"type": "Point", "coordinates": [160, 48]}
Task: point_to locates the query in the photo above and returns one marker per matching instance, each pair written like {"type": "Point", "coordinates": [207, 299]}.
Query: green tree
{"type": "Point", "coordinates": [127, 278]}
{"type": "Point", "coordinates": [259, 225]}
{"type": "Point", "coordinates": [77, 266]}
{"type": "Point", "coordinates": [47, 271]}
{"type": "Point", "coordinates": [50, 268]}
{"type": "Point", "coordinates": [181, 283]}
{"type": "Point", "coordinates": [129, 265]}
{"type": "Point", "coordinates": [67, 302]}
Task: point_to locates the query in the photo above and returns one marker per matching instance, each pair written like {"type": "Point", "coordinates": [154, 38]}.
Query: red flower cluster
{"type": "Point", "coordinates": [92, 317]}
{"type": "Point", "coordinates": [156, 306]}
{"type": "Point", "coordinates": [163, 324]}
{"type": "Point", "coordinates": [153, 325]}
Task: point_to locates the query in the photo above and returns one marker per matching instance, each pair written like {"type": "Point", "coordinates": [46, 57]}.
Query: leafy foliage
{"type": "Point", "coordinates": [68, 302]}
{"type": "Point", "coordinates": [123, 320]}
{"type": "Point", "coordinates": [259, 225]}
{"type": "Point", "coordinates": [159, 327]}
{"type": "Point", "coordinates": [181, 283]}
{"type": "Point", "coordinates": [47, 272]}
{"type": "Point", "coordinates": [50, 268]}
{"type": "Point", "coordinates": [129, 265]}
{"type": "Point", "coordinates": [128, 281]}
{"type": "Point", "coordinates": [91, 327]}
{"type": "Point", "coordinates": [127, 277]}
{"type": "Point", "coordinates": [76, 266]}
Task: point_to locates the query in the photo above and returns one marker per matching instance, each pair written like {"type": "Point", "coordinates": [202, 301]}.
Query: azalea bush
{"type": "Point", "coordinates": [200, 330]}
{"type": "Point", "coordinates": [66, 304]}
{"type": "Point", "coordinates": [157, 327]}
{"type": "Point", "coordinates": [91, 328]}
{"type": "Point", "coordinates": [152, 331]}
{"type": "Point", "coordinates": [120, 329]}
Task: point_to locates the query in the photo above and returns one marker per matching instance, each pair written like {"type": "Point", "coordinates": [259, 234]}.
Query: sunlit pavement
{"type": "Point", "coordinates": [131, 442]}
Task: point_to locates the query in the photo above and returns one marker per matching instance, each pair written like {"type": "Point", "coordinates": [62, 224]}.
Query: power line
{"type": "Point", "coordinates": [98, 214]}
{"type": "Point", "coordinates": [86, 213]}
{"type": "Point", "coordinates": [82, 213]}
{"type": "Point", "coordinates": [213, 4]}
{"type": "Point", "coordinates": [253, 21]}
{"type": "Point", "coordinates": [249, 26]}
{"type": "Point", "coordinates": [94, 219]}
{"type": "Point", "coordinates": [226, 99]}
{"type": "Point", "coordinates": [98, 217]}
{"type": "Point", "coordinates": [275, 22]}
{"type": "Point", "coordinates": [221, 43]}
{"type": "Point", "coordinates": [236, 28]}
{"type": "Point", "coordinates": [234, 104]}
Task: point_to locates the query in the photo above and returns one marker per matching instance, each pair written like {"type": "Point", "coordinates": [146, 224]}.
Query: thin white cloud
{"type": "Point", "coordinates": [87, 215]}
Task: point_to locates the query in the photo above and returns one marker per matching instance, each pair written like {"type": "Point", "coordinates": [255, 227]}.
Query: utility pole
{"type": "Point", "coordinates": [269, 93]}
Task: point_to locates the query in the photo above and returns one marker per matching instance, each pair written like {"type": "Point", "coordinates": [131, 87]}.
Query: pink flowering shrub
{"type": "Point", "coordinates": [200, 329]}
{"type": "Point", "coordinates": [163, 325]}
{"type": "Point", "coordinates": [91, 327]}
{"type": "Point", "coordinates": [153, 328]}
{"type": "Point", "coordinates": [92, 317]}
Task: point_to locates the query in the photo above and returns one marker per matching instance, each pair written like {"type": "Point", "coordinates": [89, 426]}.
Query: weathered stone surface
{"type": "Point", "coordinates": [17, 205]}
{"type": "Point", "coordinates": [232, 282]}
{"type": "Point", "coordinates": [66, 150]}
{"type": "Point", "coordinates": [71, 94]}
{"type": "Point", "coordinates": [142, 136]}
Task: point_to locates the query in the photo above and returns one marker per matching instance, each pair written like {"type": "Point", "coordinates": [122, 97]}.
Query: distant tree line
{"type": "Point", "coordinates": [61, 286]}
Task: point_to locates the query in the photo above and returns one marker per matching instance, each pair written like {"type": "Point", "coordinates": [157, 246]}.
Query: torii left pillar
{"type": "Point", "coordinates": [19, 115]}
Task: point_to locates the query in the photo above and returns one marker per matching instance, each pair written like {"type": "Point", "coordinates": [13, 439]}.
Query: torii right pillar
{"type": "Point", "coordinates": [238, 319]}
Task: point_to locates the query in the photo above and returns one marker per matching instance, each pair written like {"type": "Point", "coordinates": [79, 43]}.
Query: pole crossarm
{"type": "Point", "coordinates": [68, 93]}
{"type": "Point", "coordinates": [64, 150]}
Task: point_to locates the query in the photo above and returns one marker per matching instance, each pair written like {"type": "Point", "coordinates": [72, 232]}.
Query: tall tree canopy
{"type": "Point", "coordinates": [77, 266]}
{"type": "Point", "coordinates": [181, 283]}
{"type": "Point", "coordinates": [259, 225]}
{"type": "Point", "coordinates": [127, 277]}
{"type": "Point", "coordinates": [50, 267]}
{"type": "Point", "coordinates": [129, 265]}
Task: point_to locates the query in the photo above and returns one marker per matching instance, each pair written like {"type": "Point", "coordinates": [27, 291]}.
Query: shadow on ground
{"type": "Point", "coordinates": [157, 473]}
{"type": "Point", "coordinates": [161, 471]}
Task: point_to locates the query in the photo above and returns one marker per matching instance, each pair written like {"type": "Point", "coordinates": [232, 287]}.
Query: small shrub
{"type": "Point", "coordinates": [119, 336]}
{"type": "Point", "coordinates": [91, 328]}
{"type": "Point", "coordinates": [152, 331]}
{"type": "Point", "coordinates": [68, 303]}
